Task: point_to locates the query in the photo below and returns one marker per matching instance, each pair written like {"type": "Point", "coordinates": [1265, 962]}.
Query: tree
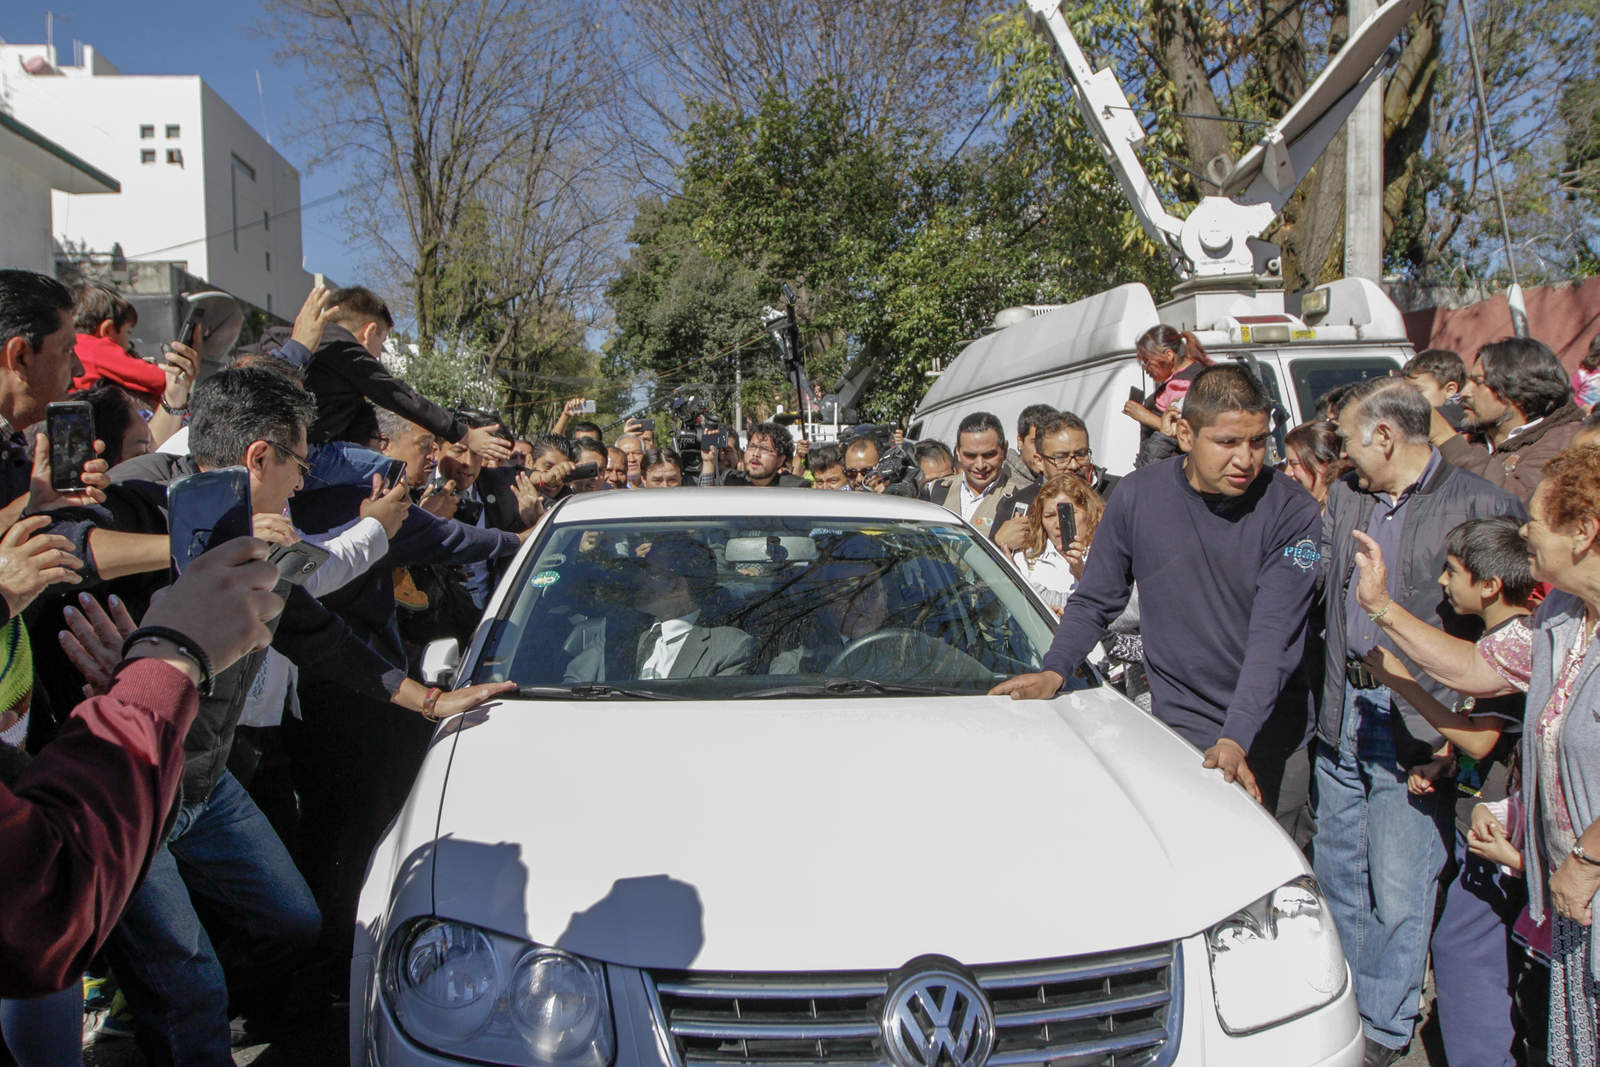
{"type": "Point", "coordinates": [465, 124]}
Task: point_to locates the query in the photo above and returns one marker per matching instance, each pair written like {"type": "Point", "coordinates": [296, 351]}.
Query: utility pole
{"type": "Point", "coordinates": [1363, 187]}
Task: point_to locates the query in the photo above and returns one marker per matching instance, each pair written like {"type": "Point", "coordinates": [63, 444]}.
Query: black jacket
{"type": "Point", "coordinates": [1448, 498]}
{"type": "Point", "coordinates": [347, 382]}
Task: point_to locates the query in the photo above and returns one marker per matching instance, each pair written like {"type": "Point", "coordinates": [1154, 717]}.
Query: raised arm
{"type": "Point", "coordinates": [1450, 661]}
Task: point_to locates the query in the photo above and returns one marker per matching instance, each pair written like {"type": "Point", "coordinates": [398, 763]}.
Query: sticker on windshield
{"type": "Point", "coordinates": [546, 578]}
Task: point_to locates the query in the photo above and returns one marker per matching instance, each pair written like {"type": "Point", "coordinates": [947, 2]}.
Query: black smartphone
{"type": "Point", "coordinates": [298, 561]}
{"type": "Point", "coordinates": [436, 480]}
{"type": "Point", "coordinates": [189, 332]}
{"type": "Point", "coordinates": [582, 471]}
{"type": "Point", "coordinates": [206, 509]}
{"type": "Point", "coordinates": [1069, 523]}
{"type": "Point", "coordinates": [70, 426]}
{"type": "Point", "coordinates": [1136, 394]}
{"type": "Point", "coordinates": [393, 471]}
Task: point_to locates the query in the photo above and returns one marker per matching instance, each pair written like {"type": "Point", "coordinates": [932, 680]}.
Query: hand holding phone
{"type": "Point", "coordinates": [1069, 524]}
{"type": "Point", "coordinates": [70, 426]}
{"type": "Point", "coordinates": [1135, 395]}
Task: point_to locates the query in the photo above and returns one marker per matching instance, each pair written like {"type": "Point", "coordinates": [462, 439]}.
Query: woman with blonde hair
{"type": "Point", "coordinates": [1050, 564]}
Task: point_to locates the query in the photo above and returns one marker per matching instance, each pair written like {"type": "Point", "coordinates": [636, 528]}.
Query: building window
{"type": "Point", "coordinates": [175, 155]}
{"type": "Point", "coordinates": [147, 155]}
{"type": "Point", "coordinates": [269, 303]}
{"type": "Point", "coordinates": [239, 167]}
{"type": "Point", "coordinates": [269, 260]}
{"type": "Point", "coordinates": [266, 221]}
{"type": "Point", "coordinates": [172, 131]}
{"type": "Point", "coordinates": [147, 132]}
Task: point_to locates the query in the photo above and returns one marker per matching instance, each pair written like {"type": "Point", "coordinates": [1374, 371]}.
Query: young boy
{"type": "Point", "coordinates": [1439, 373]}
{"type": "Point", "coordinates": [1486, 575]}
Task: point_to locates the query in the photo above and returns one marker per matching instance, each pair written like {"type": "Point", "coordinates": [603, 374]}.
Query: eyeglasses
{"type": "Point", "coordinates": [857, 472]}
{"type": "Point", "coordinates": [299, 461]}
{"type": "Point", "coordinates": [768, 449]}
{"type": "Point", "coordinates": [1066, 459]}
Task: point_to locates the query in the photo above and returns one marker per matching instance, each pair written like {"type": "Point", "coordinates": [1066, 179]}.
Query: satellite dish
{"type": "Point", "coordinates": [222, 319]}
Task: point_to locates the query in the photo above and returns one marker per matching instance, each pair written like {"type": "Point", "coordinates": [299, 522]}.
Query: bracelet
{"type": "Point", "coordinates": [182, 643]}
{"type": "Point", "coordinates": [170, 410]}
{"type": "Point", "coordinates": [431, 702]}
{"type": "Point", "coordinates": [1376, 616]}
{"type": "Point", "coordinates": [1577, 850]}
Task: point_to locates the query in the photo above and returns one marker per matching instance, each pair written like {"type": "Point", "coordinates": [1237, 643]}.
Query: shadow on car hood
{"type": "Point", "coordinates": [843, 834]}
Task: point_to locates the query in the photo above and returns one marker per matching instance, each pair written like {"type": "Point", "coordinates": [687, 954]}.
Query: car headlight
{"type": "Point", "coordinates": [468, 992]}
{"type": "Point", "coordinates": [1275, 960]}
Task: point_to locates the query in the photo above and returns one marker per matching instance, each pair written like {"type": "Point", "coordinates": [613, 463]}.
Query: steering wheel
{"type": "Point", "coordinates": [877, 637]}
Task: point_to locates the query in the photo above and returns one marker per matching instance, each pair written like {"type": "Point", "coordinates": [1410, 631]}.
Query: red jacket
{"type": "Point", "coordinates": [81, 824]}
{"type": "Point", "coordinates": [106, 359]}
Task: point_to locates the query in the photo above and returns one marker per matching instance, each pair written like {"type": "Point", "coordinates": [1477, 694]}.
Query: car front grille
{"type": "Point", "coordinates": [1115, 1009]}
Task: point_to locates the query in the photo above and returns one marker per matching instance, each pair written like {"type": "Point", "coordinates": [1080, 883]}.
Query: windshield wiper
{"type": "Point", "coordinates": [587, 691]}
{"type": "Point", "coordinates": [852, 686]}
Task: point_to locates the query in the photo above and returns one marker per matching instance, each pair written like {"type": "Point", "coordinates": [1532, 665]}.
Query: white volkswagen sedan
{"type": "Point", "coordinates": [751, 807]}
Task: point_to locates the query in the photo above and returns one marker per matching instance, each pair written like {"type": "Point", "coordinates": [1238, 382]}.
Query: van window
{"type": "Point", "coordinates": [1314, 377]}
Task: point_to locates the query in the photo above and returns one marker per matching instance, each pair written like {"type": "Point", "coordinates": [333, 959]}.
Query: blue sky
{"type": "Point", "coordinates": [213, 40]}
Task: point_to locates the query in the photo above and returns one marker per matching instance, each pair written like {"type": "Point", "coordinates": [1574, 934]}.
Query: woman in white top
{"type": "Point", "coordinates": [1052, 567]}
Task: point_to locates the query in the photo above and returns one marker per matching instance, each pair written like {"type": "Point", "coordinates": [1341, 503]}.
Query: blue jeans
{"type": "Point", "coordinates": [223, 852]}
{"type": "Point", "coordinates": [45, 1031]}
{"type": "Point", "coordinates": [343, 463]}
{"type": "Point", "coordinates": [1378, 855]}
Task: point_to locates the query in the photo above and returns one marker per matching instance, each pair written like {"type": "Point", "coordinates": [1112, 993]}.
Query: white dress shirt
{"type": "Point", "coordinates": [970, 501]}
{"type": "Point", "coordinates": [669, 635]}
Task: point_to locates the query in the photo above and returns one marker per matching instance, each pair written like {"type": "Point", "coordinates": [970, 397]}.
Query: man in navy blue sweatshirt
{"type": "Point", "coordinates": [1225, 554]}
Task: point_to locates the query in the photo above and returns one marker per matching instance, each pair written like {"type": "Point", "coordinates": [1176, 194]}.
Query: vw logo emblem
{"type": "Point", "coordinates": [936, 1016]}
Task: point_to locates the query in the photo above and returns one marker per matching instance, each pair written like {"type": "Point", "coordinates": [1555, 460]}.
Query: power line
{"type": "Point", "coordinates": [297, 209]}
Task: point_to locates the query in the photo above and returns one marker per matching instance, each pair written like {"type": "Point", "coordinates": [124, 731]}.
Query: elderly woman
{"type": "Point", "coordinates": [1561, 735]}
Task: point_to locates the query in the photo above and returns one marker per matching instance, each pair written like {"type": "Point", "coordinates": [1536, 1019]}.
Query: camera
{"type": "Point", "coordinates": [698, 430]}
{"type": "Point", "coordinates": [898, 471]}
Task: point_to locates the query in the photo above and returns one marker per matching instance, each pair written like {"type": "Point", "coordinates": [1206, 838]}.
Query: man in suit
{"type": "Point", "coordinates": [677, 575]}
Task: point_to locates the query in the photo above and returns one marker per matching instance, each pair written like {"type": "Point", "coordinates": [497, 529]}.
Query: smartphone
{"type": "Point", "coordinates": [189, 332]}
{"type": "Point", "coordinates": [436, 480]}
{"type": "Point", "coordinates": [319, 280]}
{"type": "Point", "coordinates": [1069, 524]}
{"type": "Point", "coordinates": [586, 408]}
{"type": "Point", "coordinates": [298, 561]}
{"type": "Point", "coordinates": [1135, 394]}
{"type": "Point", "coordinates": [206, 509]}
{"type": "Point", "coordinates": [70, 427]}
{"type": "Point", "coordinates": [393, 471]}
{"type": "Point", "coordinates": [582, 471]}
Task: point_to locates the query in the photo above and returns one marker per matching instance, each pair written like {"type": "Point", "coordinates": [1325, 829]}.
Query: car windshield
{"type": "Point", "coordinates": [763, 607]}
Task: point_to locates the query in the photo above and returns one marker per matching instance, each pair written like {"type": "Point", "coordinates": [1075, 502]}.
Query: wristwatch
{"type": "Point", "coordinates": [1577, 850]}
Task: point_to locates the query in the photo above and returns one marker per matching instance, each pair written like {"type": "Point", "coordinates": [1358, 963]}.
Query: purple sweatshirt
{"type": "Point", "coordinates": [1225, 584]}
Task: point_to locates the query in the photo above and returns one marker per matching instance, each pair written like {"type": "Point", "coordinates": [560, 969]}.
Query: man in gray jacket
{"type": "Point", "coordinates": [1379, 850]}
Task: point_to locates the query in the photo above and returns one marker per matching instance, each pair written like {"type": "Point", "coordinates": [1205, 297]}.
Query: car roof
{"type": "Point", "coordinates": [744, 502]}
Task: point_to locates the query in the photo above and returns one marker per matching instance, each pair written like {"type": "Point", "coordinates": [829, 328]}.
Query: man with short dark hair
{"type": "Point", "coordinates": [765, 458]}
{"type": "Point", "coordinates": [615, 471]}
{"type": "Point", "coordinates": [1224, 550]}
{"type": "Point", "coordinates": [1063, 449]}
{"type": "Point", "coordinates": [975, 493]}
{"type": "Point", "coordinates": [1379, 849]}
{"type": "Point", "coordinates": [37, 364]}
{"type": "Point", "coordinates": [826, 463]}
{"type": "Point", "coordinates": [348, 378]}
{"type": "Point", "coordinates": [663, 469]}
{"type": "Point", "coordinates": [1023, 464]}
{"type": "Point", "coordinates": [1518, 415]}
{"type": "Point", "coordinates": [1439, 374]}
{"type": "Point", "coordinates": [935, 459]}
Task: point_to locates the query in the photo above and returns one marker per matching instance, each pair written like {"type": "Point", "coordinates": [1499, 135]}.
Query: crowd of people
{"type": "Point", "coordinates": [1379, 623]}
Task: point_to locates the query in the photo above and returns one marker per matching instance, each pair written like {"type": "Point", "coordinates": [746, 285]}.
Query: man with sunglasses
{"type": "Point", "coordinates": [1064, 448]}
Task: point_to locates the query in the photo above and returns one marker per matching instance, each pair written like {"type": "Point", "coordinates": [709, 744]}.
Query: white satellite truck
{"type": "Point", "coordinates": [1079, 357]}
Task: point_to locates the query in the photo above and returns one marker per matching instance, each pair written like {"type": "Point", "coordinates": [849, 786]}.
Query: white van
{"type": "Point", "coordinates": [1079, 357]}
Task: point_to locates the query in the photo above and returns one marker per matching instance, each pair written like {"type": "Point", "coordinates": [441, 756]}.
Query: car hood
{"type": "Point", "coordinates": [842, 834]}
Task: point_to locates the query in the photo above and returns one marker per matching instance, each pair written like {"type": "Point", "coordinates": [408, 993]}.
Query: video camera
{"type": "Point", "coordinates": [897, 469]}
{"type": "Point", "coordinates": [698, 430]}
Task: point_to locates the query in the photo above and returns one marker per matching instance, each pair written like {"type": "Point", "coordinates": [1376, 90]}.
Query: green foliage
{"type": "Point", "coordinates": [900, 250]}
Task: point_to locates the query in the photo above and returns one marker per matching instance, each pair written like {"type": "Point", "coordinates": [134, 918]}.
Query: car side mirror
{"type": "Point", "coordinates": [439, 662]}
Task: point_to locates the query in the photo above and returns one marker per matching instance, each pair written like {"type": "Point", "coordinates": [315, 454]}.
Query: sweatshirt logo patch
{"type": "Point", "coordinates": [1303, 554]}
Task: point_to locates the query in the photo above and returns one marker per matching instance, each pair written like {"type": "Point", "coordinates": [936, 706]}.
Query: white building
{"type": "Point", "coordinates": [31, 167]}
{"type": "Point", "coordinates": [199, 185]}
